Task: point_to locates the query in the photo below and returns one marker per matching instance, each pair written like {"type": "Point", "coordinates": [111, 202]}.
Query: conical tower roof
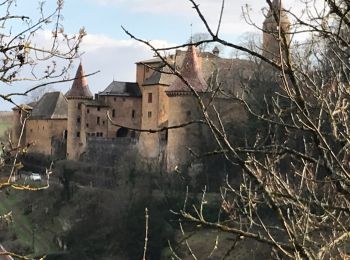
{"type": "Point", "coordinates": [191, 72]}
{"type": "Point", "coordinates": [80, 87]}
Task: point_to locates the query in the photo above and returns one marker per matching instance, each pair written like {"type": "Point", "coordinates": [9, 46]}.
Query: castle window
{"type": "Point", "coordinates": [78, 120]}
{"type": "Point", "coordinates": [88, 111]}
{"type": "Point", "coordinates": [87, 125]}
{"type": "Point", "coordinates": [101, 134]}
{"type": "Point", "coordinates": [98, 108]}
{"type": "Point", "coordinates": [149, 114]}
{"type": "Point", "coordinates": [115, 99]}
{"type": "Point", "coordinates": [133, 113]}
{"type": "Point", "coordinates": [79, 106]}
{"type": "Point", "coordinates": [149, 97]}
{"type": "Point", "coordinates": [113, 113]}
{"type": "Point", "coordinates": [98, 120]}
{"type": "Point", "coordinates": [78, 134]}
{"type": "Point", "coordinates": [103, 122]}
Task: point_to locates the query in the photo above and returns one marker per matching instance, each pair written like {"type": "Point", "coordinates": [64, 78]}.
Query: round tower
{"type": "Point", "coordinates": [19, 115]}
{"type": "Point", "coordinates": [275, 18]}
{"type": "Point", "coordinates": [78, 94]}
{"type": "Point", "coordinates": [183, 108]}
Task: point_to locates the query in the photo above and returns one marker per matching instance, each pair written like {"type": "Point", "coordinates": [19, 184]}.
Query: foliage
{"type": "Point", "coordinates": [26, 58]}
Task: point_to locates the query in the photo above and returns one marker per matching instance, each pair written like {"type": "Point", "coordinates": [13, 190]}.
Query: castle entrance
{"type": "Point", "coordinates": [122, 132]}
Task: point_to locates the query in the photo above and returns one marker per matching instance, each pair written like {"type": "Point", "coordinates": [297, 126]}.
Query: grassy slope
{"type": "Point", "coordinates": [22, 225]}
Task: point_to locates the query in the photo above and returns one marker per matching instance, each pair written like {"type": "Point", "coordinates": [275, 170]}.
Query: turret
{"type": "Point", "coordinates": [78, 94]}
{"type": "Point", "coordinates": [185, 108]}
{"type": "Point", "coordinates": [276, 18]}
{"type": "Point", "coordinates": [19, 115]}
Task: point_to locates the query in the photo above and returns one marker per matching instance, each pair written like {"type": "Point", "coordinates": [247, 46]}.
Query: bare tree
{"type": "Point", "coordinates": [27, 57]}
{"type": "Point", "coordinates": [295, 190]}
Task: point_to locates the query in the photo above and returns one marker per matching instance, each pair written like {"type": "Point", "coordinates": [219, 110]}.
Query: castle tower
{"type": "Point", "coordinates": [78, 94]}
{"type": "Point", "coordinates": [271, 26]}
{"type": "Point", "coordinates": [19, 115]}
{"type": "Point", "coordinates": [183, 108]}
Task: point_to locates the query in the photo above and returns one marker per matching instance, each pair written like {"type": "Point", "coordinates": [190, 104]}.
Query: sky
{"type": "Point", "coordinates": [106, 48]}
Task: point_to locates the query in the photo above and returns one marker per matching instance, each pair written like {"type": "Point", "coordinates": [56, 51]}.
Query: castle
{"type": "Point", "coordinates": [62, 125]}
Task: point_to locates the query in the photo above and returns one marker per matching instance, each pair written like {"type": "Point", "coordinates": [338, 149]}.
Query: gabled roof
{"type": "Point", "coordinates": [120, 88]}
{"type": "Point", "coordinates": [52, 105]}
{"type": "Point", "coordinates": [191, 72]}
{"type": "Point", "coordinates": [80, 87]}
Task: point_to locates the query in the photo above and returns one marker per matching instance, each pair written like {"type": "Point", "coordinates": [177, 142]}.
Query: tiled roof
{"type": "Point", "coordinates": [80, 87]}
{"type": "Point", "coordinates": [228, 73]}
{"type": "Point", "coordinates": [119, 88]}
{"type": "Point", "coordinates": [52, 105]}
{"type": "Point", "coordinates": [191, 72]}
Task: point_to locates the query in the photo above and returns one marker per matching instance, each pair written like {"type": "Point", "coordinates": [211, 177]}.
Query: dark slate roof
{"type": "Point", "coordinates": [80, 87]}
{"type": "Point", "coordinates": [52, 105]}
{"type": "Point", "coordinates": [119, 88]}
{"type": "Point", "coordinates": [95, 103]}
{"type": "Point", "coordinates": [158, 78]}
{"type": "Point", "coordinates": [191, 71]}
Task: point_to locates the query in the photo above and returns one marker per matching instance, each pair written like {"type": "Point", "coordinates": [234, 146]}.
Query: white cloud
{"type": "Point", "coordinates": [233, 21]}
{"type": "Point", "coordinates": [114, 58]}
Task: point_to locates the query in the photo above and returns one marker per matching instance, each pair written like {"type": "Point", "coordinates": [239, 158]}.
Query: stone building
{"type": "Point", "coordinates": [156, 100]}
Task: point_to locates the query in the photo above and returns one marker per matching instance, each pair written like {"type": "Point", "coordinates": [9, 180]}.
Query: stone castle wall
{"type": "Point", "coordinates": [41, 133]}
{"type": "Point", "coordinates": [106, 152]}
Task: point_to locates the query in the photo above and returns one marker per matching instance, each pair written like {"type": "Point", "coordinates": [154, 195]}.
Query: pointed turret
{"type": "Point", "coordinates": [271, 28]}
{"type": "Point", "coordinates": [77, 95]}
{"type": "Point", "coordinates": [191, 72]}
{"type": "Point", "coordinates": [80, 88]}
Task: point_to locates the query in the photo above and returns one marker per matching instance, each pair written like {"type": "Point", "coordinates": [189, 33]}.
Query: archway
{"type": "Point", "coordinates": [122, 132]}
